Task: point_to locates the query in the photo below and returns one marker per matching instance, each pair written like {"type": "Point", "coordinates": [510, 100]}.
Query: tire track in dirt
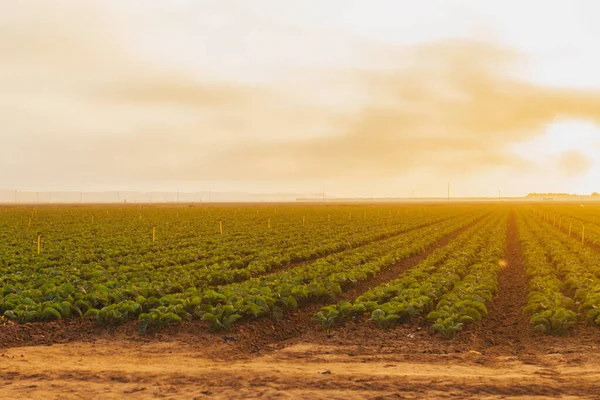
{"type": "Point", "coordinates": [260, 334]}
{"type": "Point", "coordinates": [506, 328]}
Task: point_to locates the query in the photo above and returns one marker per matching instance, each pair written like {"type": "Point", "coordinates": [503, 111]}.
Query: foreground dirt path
{"type": "Point", "coordinates": [120, 369]}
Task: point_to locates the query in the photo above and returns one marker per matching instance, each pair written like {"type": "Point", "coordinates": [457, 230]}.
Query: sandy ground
{"type": "Point", "coordinates": [117, 369]}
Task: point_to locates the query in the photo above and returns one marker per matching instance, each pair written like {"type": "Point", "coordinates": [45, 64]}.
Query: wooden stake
{"type": "Point", "coordinates": [153, 234]}
{"type": "Point", "coordinates": [582, 234]}
{"type": "Point", "coordinates": [303, 220]}
{"type": "Point", "coordinates": [30, 222]}
{"type": "Point", "coordinates": [221, 226]}
{"type": "Point", "coordinates": [570, 227]}
{"type": "Point", "coordinates": [554, 221]}
{"type": "Point", "coordinates": [39, 244]}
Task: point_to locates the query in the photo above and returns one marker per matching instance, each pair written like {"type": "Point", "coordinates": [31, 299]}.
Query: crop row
{"type": "Point", "coordinates": [569, 283]}
{"type": "Point", "coordinates": [122, 239]}
{"type": "Point", "coordinates": [577, 222]}
{"type": "Point", "coordinates": [157, 294]}
{"type": "Point", "coordinates": [110, 244]}
{"type": "Point", "coordinates": [549, 309]}
{"type": "Point", "coordinates": [454, 282]}
{"type": "Point", "coordinates": [313, 247]}
{"type": "Point", "coordinates": [278, 293]}
{"type": "Point", "coordinates": [44, 283]}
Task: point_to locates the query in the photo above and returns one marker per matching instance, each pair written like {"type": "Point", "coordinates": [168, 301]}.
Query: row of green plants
{"type": "Point", "coordinates": [549, 309]}
{"type": "Point", "coordinates": [213, 261]}
{"type": "Point", "coordinates": [578, 278]}
{"type": "Point", "coordinates": [121, 239]}
{"type": "Point", "coordinates": [275, 295]}
{"type": "Point", "coordinates": [116, 294]}
{"type": "Point", "coordinates": [452, 285]}
{"type": "Point", "coordinates": [467, 301]}
{"type": "Point", "coordinates": [579, 222]}
{"type": "Point", "coordinates": [286, 254]}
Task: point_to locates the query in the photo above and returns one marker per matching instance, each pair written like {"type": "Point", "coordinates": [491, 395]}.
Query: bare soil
{"type": "Point", "coordinates": [116, 369]}
{"type": "Point", "coordinates": [500, 358]}
{"type": "Point", "coordinates": [506, 328]}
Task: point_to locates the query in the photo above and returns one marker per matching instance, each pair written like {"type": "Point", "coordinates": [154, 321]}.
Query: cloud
{"type": "Point", "coordinates": [574, 163]}
{"type": "Point", "coordinates": [174, 91]}
{"type": "Point", "coordinates": [78, 56]}
{"type": "Point", "coordinates": [81, 103]}
{"type": "Point", "coordinates": [452, 107]}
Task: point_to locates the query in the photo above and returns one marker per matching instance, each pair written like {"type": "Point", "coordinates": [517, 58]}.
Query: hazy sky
{"type": "Point", "coordinates": [357, 98]}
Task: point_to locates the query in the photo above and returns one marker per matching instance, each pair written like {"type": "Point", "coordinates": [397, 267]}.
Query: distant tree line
{"type": "Point", "coordinates": [595, 194]}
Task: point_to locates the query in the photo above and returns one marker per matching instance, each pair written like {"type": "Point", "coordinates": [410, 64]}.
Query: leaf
{"type": "Point", "coordinates": [50, 313]}
{"type": "Point", "coordinates": [92, 312]}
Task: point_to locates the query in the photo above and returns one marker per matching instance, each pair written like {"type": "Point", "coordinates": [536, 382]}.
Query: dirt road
{"type": "Point", "coordinates": [116, 369]}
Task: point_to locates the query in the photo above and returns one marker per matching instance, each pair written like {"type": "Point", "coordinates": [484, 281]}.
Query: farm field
{"type": "Point", "coordinates": [324, 301]}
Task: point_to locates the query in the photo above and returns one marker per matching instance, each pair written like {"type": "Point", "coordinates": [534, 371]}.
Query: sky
{"type": "Point", "coordinates": [373, 98]}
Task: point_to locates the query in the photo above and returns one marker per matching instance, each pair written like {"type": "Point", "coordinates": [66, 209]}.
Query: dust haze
{"type": "Point", "coordinates": [454, 106]}
{"type": "Point", "coordinates": [83, 106]}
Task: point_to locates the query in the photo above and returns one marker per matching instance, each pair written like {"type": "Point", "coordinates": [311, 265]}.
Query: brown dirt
{"type": "Point", "coordinates": [506, 329]}
{"type": "Point", "coordinates": [111, 369]}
